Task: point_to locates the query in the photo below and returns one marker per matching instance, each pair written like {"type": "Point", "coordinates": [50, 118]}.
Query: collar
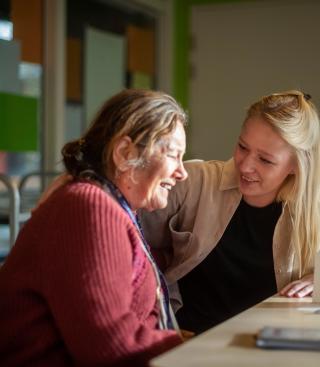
{"type": "Point", "coordinates": [229, 177]}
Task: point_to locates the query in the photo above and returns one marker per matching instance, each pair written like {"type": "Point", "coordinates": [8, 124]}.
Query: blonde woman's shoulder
{"type": "Point", "coordinates": [198, 169]}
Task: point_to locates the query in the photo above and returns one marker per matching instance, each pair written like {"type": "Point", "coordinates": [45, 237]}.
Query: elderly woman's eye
{"type": "Point", "coordinates": [174, 156]}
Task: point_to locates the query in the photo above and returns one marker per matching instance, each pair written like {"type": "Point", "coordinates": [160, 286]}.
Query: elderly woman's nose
{"type": "Point", "coordinates": [181, 173]}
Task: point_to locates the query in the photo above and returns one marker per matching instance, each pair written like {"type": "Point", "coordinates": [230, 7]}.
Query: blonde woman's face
{"type": "Point", "coordinates": [263, 161]}
{"type": "Point", "coordinates": [150, 185]}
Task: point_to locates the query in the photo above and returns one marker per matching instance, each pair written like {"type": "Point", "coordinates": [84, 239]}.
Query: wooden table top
{"type": "Point", "coordinates": [232, 343]}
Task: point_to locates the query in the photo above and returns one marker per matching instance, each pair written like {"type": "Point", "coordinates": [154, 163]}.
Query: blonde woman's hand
{"type": "Point", "coordinates": [55, 184]}
{"type": "Point", "coordinates": [299, 288]}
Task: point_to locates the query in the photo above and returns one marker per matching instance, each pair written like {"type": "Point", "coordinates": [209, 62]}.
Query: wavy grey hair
{"type": "Point", "coordinates": [145, 116]}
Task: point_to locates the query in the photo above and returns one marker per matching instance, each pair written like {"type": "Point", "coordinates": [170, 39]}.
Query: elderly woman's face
{"type": "Point", "coordinates": [150, 186]}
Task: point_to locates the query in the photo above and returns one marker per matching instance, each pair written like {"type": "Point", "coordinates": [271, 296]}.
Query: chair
{"type": "Point", "coordinates": [10, 206]}
{"type": "Point", "coordinates": [30, 194]}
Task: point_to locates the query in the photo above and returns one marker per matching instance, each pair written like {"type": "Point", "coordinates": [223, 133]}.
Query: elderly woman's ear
{"type": "Point", "coordinates": [124, 151]}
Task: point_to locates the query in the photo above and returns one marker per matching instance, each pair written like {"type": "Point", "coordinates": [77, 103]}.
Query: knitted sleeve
{"type": "Point", "coordinates": [88, 281]}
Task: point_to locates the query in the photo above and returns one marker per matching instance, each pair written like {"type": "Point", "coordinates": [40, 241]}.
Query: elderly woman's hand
{"type": "Point", "coordinates": [299, 288]}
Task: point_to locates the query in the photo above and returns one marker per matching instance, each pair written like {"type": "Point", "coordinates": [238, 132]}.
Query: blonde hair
{"type": "Point", "coordinates": [144, 115]}
{"type": "Point", "coordinates": [294, 117]}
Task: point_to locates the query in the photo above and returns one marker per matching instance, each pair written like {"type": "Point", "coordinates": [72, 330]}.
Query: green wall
{"type": "Point", "coordinates": [18, 123]}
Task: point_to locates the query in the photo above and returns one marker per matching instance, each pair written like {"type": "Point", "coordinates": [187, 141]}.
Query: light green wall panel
{"type": "Point", "coordinates": [141, 81]}
{"type": "Point", "coordinates": [104, 68]}
{"type": "Point", "coordinates": [182, 11]}
{"type": "Point", "coordinates": [9, 66]}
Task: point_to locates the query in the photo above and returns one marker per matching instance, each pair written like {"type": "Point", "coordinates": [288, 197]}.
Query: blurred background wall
{"type": "Point", "coordinates": [238, 51]}
{"type": "Point", "coordinates": [60, 59]}
{"type": "Point", "coordinates": [216, 57]}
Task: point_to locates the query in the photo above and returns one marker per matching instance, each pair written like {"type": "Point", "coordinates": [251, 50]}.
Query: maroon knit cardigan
{"type": "Point", "coordinates": [77, 288]}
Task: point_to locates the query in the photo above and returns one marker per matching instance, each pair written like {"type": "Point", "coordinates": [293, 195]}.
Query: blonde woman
{"type": "Point", "coordinates": [240, 231]}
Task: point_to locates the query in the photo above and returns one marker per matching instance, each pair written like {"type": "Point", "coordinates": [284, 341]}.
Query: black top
{"type": "Point", "coordinates": [236, 275]}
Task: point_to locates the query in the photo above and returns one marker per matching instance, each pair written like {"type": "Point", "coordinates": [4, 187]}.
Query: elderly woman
{"type": "Point", "coordinates": [80, 286]}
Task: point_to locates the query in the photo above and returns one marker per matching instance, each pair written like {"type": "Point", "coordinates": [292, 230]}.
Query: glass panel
{"type": "Point", "coordinates": [109, 46]}
{"type": "Point", "coordinates": [20, 94]}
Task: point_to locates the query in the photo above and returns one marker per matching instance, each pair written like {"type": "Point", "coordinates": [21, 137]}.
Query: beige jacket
{"type": "Point", "coordinates": [196, 217]}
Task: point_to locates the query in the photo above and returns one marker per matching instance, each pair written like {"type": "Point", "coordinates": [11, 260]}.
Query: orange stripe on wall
{"type": "Point", "coordinates": [141, 50]}
{"type": "Point", "coordinates": [26, 16]}
{"type": "Point", "coordinates": [74, 70]}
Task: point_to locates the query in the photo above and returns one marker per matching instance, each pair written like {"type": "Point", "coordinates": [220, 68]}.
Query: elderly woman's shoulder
{"type": "Point", "coordinates": [85, 197]}
{"type": "Point", "coordinates": [83, 192]}
{"type": "Point", "coordinates": [82, 188]}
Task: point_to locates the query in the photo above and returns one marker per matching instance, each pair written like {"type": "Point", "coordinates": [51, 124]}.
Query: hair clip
{"type": "Point", "coordinates": [79, 153]}
{"type": "Point", "coordinates": [306, 96]}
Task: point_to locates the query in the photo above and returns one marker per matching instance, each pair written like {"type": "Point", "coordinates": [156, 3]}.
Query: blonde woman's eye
{"type": "Point", "coordinates": [266, 161]}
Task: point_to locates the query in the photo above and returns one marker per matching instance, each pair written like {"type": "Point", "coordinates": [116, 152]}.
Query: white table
{"type": "Point", "coordinates": [232, 343]}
